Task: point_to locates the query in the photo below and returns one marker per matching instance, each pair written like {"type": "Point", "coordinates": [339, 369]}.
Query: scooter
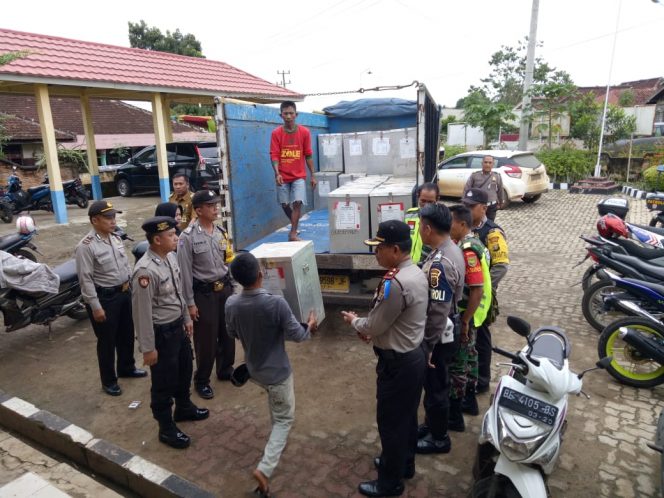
{"type": "Point", "coordinates": [16, 244]}
{"type": "Point", "coordinates": [74, 192]}
{"type": "Point", "coordinates": [521, 433]}
{"type": "Point", "coordinates": [21, 309]}
{"type": "Point", "coordinates": [34, 198]}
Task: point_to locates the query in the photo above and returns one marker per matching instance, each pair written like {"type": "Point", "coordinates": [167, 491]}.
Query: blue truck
{"type": "Point", "coordinates": [250, 210]}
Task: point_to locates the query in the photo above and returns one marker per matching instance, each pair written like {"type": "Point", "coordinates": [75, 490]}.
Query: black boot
{"type": "Point", "coordinates": [455, 420]}
{"type": "Point", "coordinates": [469, 403]}
{"type": "Point", "coordinates": [170, 434]}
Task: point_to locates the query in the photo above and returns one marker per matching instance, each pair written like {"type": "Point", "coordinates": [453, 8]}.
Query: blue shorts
{"type": "Point", "coordinates": [288, 193]}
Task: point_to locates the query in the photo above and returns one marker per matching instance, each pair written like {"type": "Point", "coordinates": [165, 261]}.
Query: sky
{"type": "Point", "coordinates": [342, 45]}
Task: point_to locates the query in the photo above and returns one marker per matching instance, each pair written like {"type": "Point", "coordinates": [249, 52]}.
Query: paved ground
{"type": "Point", "coordinates": [335, 437]}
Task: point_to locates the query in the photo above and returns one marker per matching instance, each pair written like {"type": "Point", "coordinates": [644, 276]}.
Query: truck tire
{"type": "Point", "coordinates": [124, 187]}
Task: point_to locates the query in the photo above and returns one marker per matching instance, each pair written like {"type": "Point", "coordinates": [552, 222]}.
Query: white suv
{"type": "Point", "coordinates": [524, 176]}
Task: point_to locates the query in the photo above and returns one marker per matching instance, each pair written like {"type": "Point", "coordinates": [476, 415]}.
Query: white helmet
{"type": "Point", "coordinates": [25, 224]}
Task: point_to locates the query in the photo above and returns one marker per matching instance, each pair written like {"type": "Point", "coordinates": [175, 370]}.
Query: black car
{"type": "Point", "coordinates": [197, 160]}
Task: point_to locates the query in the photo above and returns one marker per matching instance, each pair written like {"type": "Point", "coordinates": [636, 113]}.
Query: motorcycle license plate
{"type": "Point", "coordinates": [528, 406]}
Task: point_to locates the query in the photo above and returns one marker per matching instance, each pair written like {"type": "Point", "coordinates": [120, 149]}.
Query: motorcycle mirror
{"type": "Point", "coordinates": [519, 325]}
{"type": "Point", "coordinates": [14, 169]}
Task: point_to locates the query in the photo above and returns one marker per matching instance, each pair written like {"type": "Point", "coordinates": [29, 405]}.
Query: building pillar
{"type": "Point", "coordinates": [158, 124]}
{"type": "Point", "coordinates": [51, 152]}
{"type": "Point", "coordinates": [93, 166]}
{"type": "Point", "coordinates": [168, 127]}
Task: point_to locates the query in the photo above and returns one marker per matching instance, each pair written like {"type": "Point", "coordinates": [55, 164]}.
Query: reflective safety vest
{"type": "Point", "coordinates": [418, 251]}
{"type": "Point", "coordinates": [482, 253]}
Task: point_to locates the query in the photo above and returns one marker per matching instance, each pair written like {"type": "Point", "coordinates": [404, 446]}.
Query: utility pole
{"type": "Point", "coordinates": [283, 78]}
{"type": "Point", "coordinates": [528, 80]}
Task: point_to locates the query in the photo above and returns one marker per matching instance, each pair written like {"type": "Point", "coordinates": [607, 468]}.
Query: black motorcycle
{"type": "Point", "coordinates": [21, 309]}
{"type": "Point", "coordinates": [16, 244]}
{"type": "Point", "coordinates": [74, 192]}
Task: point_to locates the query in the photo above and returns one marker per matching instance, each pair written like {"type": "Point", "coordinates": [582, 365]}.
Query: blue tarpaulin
{"type": "Point", "coordinates": [372, 108]}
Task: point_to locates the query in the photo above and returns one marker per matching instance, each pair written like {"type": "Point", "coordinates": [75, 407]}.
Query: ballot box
{"type": "Point", "coordinates": [289, 270]}
{"type": "Point", "coordinates": [390, 201]}
{"type": "Point", "coordinates": [327, 182]}
{"type": "Point", "coordinates": [330, 152]}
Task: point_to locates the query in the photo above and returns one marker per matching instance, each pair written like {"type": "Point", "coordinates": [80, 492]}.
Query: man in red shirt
{"type": "Point", "coordinates": [290, 147]}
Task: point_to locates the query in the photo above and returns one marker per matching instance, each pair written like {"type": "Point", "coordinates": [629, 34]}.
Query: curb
{"type": "Point", "coordinates": [633, 192]}
{"type": "Point", "coordinates": [101, 457]}
{"type": "Point", "coordinates": [558, 186]}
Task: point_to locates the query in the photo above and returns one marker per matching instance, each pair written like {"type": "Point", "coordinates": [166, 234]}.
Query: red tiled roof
{"type": "Point", "coordinates": [109, 117]}
{"type": "Point", "coordinates": [641, 95]}
{"type": "Point", "coordinates": [25, 130]}
{"type": "Point", "coordinates": [86, 62]}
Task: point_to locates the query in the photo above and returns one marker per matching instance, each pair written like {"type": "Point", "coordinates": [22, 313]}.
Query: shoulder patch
{"type": "Point", "coordinates": [87, 240]}
{"type": "Point", "coordinates": [391, 274]}
{"type": "Point", "coordinates": [187, 230]}
{"type": "Point", "coordinates": [472, 260]}
{"type": "Point", "coordinates": [144, 281]}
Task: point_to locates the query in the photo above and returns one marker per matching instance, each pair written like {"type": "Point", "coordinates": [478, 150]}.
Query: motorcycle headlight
{"type": "Point", "coordinates": [513, 448]}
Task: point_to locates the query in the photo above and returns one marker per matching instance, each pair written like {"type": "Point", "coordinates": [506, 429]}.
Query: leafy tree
{"type": "Point", "coordinates": [482, 112]}
{"type": "Point", "coordinates": [151, 38]}
{"type": "Point", "coordinates": [627, 98]}
{"type": "Point", "coordinates": [586, 121]}
{"type": "Point", "coordinates": [443, 127]}
{"type": "Point", "coordinates": [551, 95]}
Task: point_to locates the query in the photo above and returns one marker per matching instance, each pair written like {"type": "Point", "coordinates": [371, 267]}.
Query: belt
{"type": "Point", "coordinates": [111, 291]}
{"type": "Point", "coordinates": [390, 354]}
{"type": "Point", "coordinates": [160, 328]}
{"type": "Point", "coordinates": [216, 286]}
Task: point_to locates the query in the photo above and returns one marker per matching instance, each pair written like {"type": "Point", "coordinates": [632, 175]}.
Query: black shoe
{"type": "Point", "coordinates": [410, 468]}
{"type": "Point", "coordinates": [455, 420]}
{"type": "Point", "coordinates": [422, 431]}
{"type": "Point", "coordinates": [429, 445]}
{"type": "Point", "coordinates": [194, 413]}
{"type": "Point", "coordinates": [482, 388]}
{"type": "Point", "coordinates": [112, 390]}
{"type": "Point", "coordinates": [205, 392]}
{"type": "Point", "coordinates": [469, 404]}
{"type": "Point", "coordinates": [174, 438]}
{"type": "Point", "coordinates": [135, 373]}
{"type": "Point", "coordinates": [372, 488]}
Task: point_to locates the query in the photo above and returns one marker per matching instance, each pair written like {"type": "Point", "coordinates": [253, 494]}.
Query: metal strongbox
{"type": "Point", "coordinates": [327, 182]}
{"type": "Point", "coordinates": [387, 152]}
{"type": "Point", "coordinates": [330, 152]}
{"type": "Point", "coordinates": [289, 270]}
{"type": "Point", "coordinates": [345, 178]}
{"type": "Point", "coordinates": [390, 201]}
{"type": "Point", "coordinates": [349, 215]}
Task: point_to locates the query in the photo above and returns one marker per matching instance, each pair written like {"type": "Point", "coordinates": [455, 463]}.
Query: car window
{"type": "Point", "coordinates": [526, 161]}
{"type": "Point", "coordinates": [187, 152]}
{"type": "Point", "coordinates": [170, 152]}
{"type": "Point", "coordinates": [147, 157]}
{"type": "Point", "coordinates": [209, 152]}
{"type": "Point", "coordinates": [476, 162]}
{"type": "Point", "coordinates": [456, 163]}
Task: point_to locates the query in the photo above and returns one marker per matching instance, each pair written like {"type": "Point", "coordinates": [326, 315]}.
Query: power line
{"type": "Point", "coordinates": [283, 78]}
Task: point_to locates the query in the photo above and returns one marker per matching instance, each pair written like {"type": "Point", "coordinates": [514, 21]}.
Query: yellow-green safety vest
{"type": "Point", "coordinates": [482, 311]}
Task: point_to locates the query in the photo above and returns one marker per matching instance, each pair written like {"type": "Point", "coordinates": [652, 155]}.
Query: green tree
{"type": "Point", "coordinates": [151, 38]}
{"type": "Point", "coordinates": [482, 112]}
{"type": "Point", "coordinates": [627, 98]}
{"type": "Point", "coordinates": [550, 100]}
{"type": "Point", "coordinates": [586, 121]}
{"type": "Point", "coordinates": [443, 127]}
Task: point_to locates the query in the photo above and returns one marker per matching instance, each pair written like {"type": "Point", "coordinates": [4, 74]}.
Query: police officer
{"type": "Point", "coordinates": [474, 307]}
{"type": "Point", "coordinates": [103, 273]}
{"type": "Point", "coordinates": [445, 270]}
{"type": "Point", "coordinates": [490, 182]}
{"type": "Point", "coordinates": [203, 253]}
{"type": "Point", "coordinates": [396, 326]}
{"type": "Point", "coordinates": [164, 327]}
{"type": "Point", "coordinates": [182, 197]}
{"type": "Point", "coordinates": [427, 193]}
{"type": "Point", "coordinates": [494, 239]}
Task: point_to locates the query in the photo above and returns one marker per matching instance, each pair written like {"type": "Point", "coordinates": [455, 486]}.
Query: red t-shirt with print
{"type": "Point", "coordinates": [290, 149]}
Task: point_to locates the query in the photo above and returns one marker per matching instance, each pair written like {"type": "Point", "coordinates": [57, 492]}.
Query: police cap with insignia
{"type": "Point", "coordinates": [158, 224]}
{"type": "Point", "coordinates": [204, 197]}
{"type": "Point", "coordinates": [390, 232]}
{"type": "Point", "coordinates": [103, 208]}
{"type": "Point", "coordinates": [475, 196]}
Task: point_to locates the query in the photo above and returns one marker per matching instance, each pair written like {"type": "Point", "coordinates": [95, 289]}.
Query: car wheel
{"type": "Point", "coordinates": [506, 199]}
{"type": "Point", "coordinates": [531, 199]}
{"type": "Point", "coordinates": [124, 187]}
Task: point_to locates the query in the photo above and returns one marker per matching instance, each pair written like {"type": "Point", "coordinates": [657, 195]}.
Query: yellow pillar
{"type": "Point", "coordinates": [93, 166]}
{"type": "Point", "coordinates": [168, 127]}
{"type": "Point", "coordinates": [50, 152]}
{"type": "Point", "coordinates": [158, 124]}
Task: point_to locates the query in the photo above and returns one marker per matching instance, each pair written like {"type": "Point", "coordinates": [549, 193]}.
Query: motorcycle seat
{"type": "Point", "coordinates": [659, 289]}
{"type": "Point", "coordinates": [657, 230]}
{"type": "Point", "coordinates": [7, 241]}
{"type": "Point", "coordinates": [66, 271]}
{"type": "Point", "coordinates": [552, 344]}
{"type": "Point", "coordinates": [640, 265]}
{"type": "Point", "coordinates": [633, 249]}
{"type": "Point", "coordinates": [32, 190]}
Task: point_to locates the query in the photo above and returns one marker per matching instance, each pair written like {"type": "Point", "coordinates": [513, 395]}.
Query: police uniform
{"type": "Point", "coordinates": [206, 282]}
{"type": "Point", "coordinates": [463, 372]}
{"type": "Point", "coordinates": [493, 238]}
{"type": "Point", "coordinates": [445, 271]}
{"type": "Point", "coordinates": [492, 184]}
{"type": "Point", "coordinates": [396, 327]}
{"type": "Point", "coordinates": [103, 273]}
{"type": "Point", "coordinates": [160, 315]}
{"type": "Point", "coordinates": [188, 213]}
